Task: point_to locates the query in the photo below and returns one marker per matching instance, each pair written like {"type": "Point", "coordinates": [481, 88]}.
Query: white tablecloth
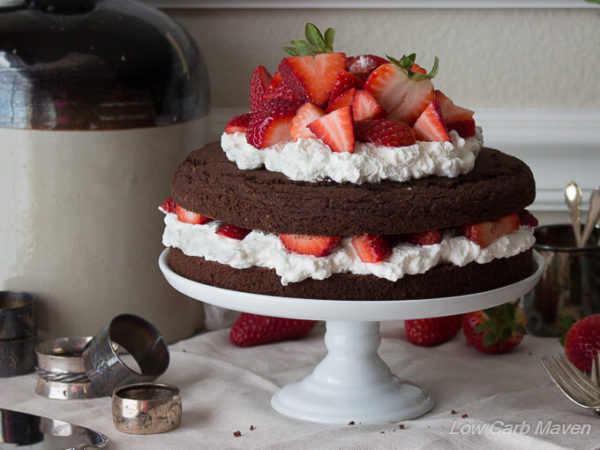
{"type": "Point", "coordinates": [226, 389]}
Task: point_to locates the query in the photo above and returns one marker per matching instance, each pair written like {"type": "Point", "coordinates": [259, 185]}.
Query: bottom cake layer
{"type": "Point", "coordinates": [442, 281]}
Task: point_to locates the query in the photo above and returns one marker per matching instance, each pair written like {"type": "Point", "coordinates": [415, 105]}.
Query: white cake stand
{"type": "Point", "coordinates": [352, 382]}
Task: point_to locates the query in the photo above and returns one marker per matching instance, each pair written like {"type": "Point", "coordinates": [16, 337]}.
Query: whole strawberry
{"type": "Point", "coordinates": [583, 342]}
{"type": "Point", "coordinates": [252, 329]}
{"type": "Point", "coordinates": [432, 331]}
{"type": "Point", "coordinates": [495, 330]}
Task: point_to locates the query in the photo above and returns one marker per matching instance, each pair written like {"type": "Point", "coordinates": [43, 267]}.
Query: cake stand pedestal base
{"type": "Point", "coordinates": [352, 383]}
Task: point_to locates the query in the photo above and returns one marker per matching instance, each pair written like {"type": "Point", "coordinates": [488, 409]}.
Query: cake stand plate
{"type": "Point", "coordinates": [352, 383]}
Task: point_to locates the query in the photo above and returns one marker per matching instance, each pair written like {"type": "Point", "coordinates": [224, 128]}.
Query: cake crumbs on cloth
{"type": "Point", "coordinates": [453, 411]}
{"type": "Point", "coordinates": [401, 426]}
{"type": "Point", "coordinates": [237, 433]}
{"type": "Point", "coordinates": [351, 422]}
{"type": "Point", "coordinates": [464, 416]}
{"type": "Point", "coordinates": [252, 428]}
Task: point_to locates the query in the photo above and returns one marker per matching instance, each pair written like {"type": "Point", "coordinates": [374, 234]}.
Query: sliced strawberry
{"type": "Point", "coordinates": [361, 66]}
{"type": "Point", "coordinates": [372, 248]}
{"type": "Point", "coordinates": [305, 244]}
{"type": "Point", "coordinates": [169, 206]}
{"type": "Point", "coordinates": [306, 114]}
{"type": "Point", "coordinates": [259, 84]}
{"type": "Point", "coordinates": [403, 98]}
{"type": "Point", "coordinates": [344, 82]}
{"type": "Point", "coordinates": [278, 89]}
{"type": "Point", "coordinates": [190, 217]}
{"type": "Point", "coordinates": [425, 237]}
{"type": "Point", "coordinates": [238, 123]}
{"type": "Point", "coordinates": [365, 107]}
{"type": "Point", "coordinates": [336, 129]}
{"type": "Point", "coordinates": [312, 78]}
{"type": "Point", "coordinates": [385, 132]}
{"type": "Point", "coordinates": [456, 117]}
{"type": "Point", "coordinates": [271, 123]}
{"type": "Point", "coordinates": [275, 80]}
{"type": "Point", "coordinates": [233, 232]}
{"type": "Point", "coordinates": [528, 219]}
{"type": "Point", "coordinates": [484, 233]}
{"type": "Point", "coordinates": [430, 125]}
{"type": "Point", "coordinates": [344, 99]}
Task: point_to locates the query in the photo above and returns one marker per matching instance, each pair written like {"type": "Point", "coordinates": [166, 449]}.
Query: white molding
{"type": "Point", "coordinates": [366, 4]}
{"type": "Point", "coordinates": [558, 146]}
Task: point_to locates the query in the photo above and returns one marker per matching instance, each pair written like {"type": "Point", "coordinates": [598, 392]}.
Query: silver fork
{"type": "Point", "coordinates": [595, 375]}
{"type": "Point", "coordinates": [572, 382]}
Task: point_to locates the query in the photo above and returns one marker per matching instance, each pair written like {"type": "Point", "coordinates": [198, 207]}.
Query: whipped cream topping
{"type": "Point", "coordinates": [313, 160]}
{"type": "Point", "coordinates": [266, 250]}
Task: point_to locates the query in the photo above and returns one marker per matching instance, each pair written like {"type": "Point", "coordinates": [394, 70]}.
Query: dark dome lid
{"type": "Point", "coordinates": [96, 64]}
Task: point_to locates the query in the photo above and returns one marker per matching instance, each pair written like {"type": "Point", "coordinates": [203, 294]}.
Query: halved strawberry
{"type": "Point", "coordinates": [528, 219]}
{"type": "Point", "coordinates": [233, 232]}
{"type": "Point", "coordinates": [402, 97]}
{"type": "Point", "coordinates": [344, 82]}
{"type": "Point", "coordinates": [372, 248]}
{"type": "Point", "coordinates": [385, 132]}
{"type": "Point", "coordinates": [312, 78]}
{"type": "Point", "coordinates": [430, 125]}
{"type": "Point", "coordinates": [456, 117]}
{"type": "Point", "coordinates": [484, 233]}
{"type": "Point", "coordinates": [305, 244]}
{"type": "Point", "coordinates": [190, 217]}
{"type": "Point", "coordinates": [259, 84]}
{"type": "Point", "coordinates": [238, 123]}
{"type": "Point", "coordinates": [336, 129]}
{"type": "Point", "coordinates": [271, 123]}
{"type": "Point", "coordinates": [344, 99]}
{"type": "Point", "coordinates": [365, 107]}
{"type": "Point", "coordinates": [425, 237]}
{"type": "Point", "coordinates": [169, 206]}
{"type": "Point", "coordinates": [306, 114]}
{"type": "Point", "coordinates": [361, 66]}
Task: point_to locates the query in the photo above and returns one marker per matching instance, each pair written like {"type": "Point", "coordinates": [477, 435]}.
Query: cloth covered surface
{"type": "Point", "coordinates": [500, 401]}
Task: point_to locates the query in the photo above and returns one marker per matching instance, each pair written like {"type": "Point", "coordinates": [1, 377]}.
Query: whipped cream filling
{"type": "Point", "coordinates": [266, 250]}
{"type": "Point", "coordinates": [313, 160]}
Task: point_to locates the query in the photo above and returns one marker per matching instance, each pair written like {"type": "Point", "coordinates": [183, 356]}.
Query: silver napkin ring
{"type": "Point", "coordinates": [17, 315]}
{"type": "Point", "coordinates": [105, 368]}
{"type": "Point", "coordinates": [18, 329]}
{"type": "Point", "coordinates": [146, 408]}
{"type": "Point", "coordinates": [60, 370]}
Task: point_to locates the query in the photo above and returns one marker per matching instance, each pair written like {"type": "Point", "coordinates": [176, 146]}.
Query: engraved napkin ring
{"type": "Point", "coordinates": [61, 375]}
{"type": "Point", "coordinates": [105, 368]}
{"type": "Point", "coordinates": [146, 408]}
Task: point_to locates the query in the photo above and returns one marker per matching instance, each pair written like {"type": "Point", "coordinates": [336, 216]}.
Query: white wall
{"type": "Point", "coordinates": [489, 58]}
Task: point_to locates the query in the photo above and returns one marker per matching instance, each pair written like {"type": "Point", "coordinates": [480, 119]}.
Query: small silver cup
{"type": "Point", "coordinates": [570, 284]}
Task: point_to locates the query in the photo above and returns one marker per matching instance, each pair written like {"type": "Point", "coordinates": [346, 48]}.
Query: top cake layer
{"type": "Point", "coordinates": [209, 184]}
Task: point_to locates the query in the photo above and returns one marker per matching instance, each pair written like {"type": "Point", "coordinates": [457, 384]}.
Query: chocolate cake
{"type": "Point", "coordinates": [351, 178]}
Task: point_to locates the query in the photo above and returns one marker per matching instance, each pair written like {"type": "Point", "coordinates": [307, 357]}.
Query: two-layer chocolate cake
{"type": "Point", "coordinates": [351, 178]}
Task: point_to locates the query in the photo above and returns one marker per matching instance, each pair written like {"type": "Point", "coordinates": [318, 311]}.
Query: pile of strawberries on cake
{"type": "Point", "coordinates": [320, 94]}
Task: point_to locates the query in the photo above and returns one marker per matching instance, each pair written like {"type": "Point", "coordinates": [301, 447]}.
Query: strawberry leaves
{"type": "Point", "coordinates": [315, 42]}
{"type": "Point", "coordinates": [406, 63]}
{"type": "Point", "coordinates": [501, 324]}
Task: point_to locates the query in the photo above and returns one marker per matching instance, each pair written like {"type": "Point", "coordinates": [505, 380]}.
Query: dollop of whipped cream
{"type": "Point", "coordinates": [313, 160]}
{"type": "Point", "coordinates": [266, 250]}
